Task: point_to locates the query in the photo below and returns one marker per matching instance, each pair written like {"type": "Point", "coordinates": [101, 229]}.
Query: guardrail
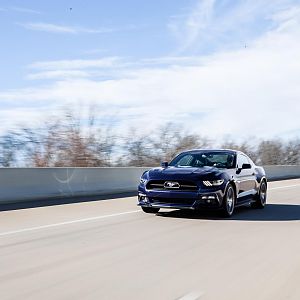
{"type": "Point", "coordinates": [26, 184]}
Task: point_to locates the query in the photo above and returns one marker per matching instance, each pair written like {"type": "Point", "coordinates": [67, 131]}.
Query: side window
{"type": "Point", "coordinates": [242, 159]}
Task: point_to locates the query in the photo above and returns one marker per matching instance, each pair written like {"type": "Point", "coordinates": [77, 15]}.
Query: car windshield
{"type": "Point", "coordinates": [198, 160]}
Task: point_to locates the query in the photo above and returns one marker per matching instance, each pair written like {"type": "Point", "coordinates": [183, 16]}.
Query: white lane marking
{"type": "Point", "coordinates": [284, 187]}
{"type": "Point", "coordinates": [67, 223]}
{"type": "Point", "coordinates": [191, 296]}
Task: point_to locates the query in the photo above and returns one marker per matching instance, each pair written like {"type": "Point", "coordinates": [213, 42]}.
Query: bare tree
{"type": "Point", "coordinates": [65, 141]}
{"type": "Point", "coordinates": [69, 140]}
{"type": "Point", "coordinates": [9, 146]}
{"type": "Point", "coordinates": [271, 152]}
{"type": "Point", "coordinates": [162, 145]}
{"type": "Point", "coordinates": [138, 150]}
{"type": "Point", "coordinates": [292, 152]}
{"type": "Point", "coordinates": [170, 139]}
{"type": "Point", "coordinates": [244, 146]}
{"type": "Point", "coordinates": [79, 144]}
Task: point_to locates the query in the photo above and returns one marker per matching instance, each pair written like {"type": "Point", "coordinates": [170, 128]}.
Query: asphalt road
{"type": "Point", "coordinates": [110, 249]}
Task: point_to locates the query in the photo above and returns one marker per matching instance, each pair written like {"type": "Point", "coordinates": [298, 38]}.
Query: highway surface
{"type": "Point", "coordinates": [110, 249]}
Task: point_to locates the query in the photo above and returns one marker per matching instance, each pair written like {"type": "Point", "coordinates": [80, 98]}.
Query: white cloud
{"type": "Point", "coordinates": [47, 27]}
{"type": "Point", "coordinates": [187, 28]}
{"type": "Point", "coordinates": [57, 28]}
{"type": "Point", "coordinates": [24, 10]}
{"type": "Point", "coordinates": [20, 9]}
{"type": "Point", "coordinates": [211, 25]}
{"type": "Point", "coordinates": [287, 14]}
{"type": "Point", "coordinates": [250, 91]}
{"type": "Point", "coordinates": [72, 64]}
{"type": "Point", "coordinates": [95, 51]}
{"type": "Point", "coordinates": [58, 74]}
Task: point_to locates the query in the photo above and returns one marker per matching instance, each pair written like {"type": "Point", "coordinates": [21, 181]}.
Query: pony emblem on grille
{"type": "Point", "coordinates": [171, 185]}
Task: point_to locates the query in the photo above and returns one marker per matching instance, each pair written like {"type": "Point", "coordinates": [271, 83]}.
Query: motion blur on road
{"type": "Point", "coordinates": [110, 249]}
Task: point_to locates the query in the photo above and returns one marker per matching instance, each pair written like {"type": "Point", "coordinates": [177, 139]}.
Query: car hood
{"type": "Point", "coordinates": [170, 173]}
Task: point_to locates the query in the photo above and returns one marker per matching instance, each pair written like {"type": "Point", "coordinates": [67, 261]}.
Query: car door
{"type": "Point", "coordinates": [245, 178]}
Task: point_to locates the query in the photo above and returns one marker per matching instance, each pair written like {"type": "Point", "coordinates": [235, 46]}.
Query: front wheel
{"type": "Point", "coordinates": [150, 210]}
{"type": "Point", "coordinates": [228, 202]}
{"type": "Point", "coordinates": [261, 197]}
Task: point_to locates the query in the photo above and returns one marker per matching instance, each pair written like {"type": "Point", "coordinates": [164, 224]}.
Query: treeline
{"type": "Point", "coordinates": [69, 141]}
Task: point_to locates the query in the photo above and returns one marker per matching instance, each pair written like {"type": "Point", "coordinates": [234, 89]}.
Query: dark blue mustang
{"type": "Point", "coordinates": [202, 179]}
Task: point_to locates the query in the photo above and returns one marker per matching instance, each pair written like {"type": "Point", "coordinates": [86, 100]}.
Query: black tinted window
{"type": "Point", "coordinates": [211, 159]}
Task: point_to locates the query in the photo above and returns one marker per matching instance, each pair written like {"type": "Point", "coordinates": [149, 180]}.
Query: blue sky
{"type": "Point", "coordinates": [197, 60]}
{"type": "Point", "coordinates": [133, 29]}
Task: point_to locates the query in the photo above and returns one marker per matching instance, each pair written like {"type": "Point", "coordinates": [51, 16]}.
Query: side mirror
{"type": "Point", "coordinates": [164, 164]}
{"type": "Point", "coordinates": [246, 166]}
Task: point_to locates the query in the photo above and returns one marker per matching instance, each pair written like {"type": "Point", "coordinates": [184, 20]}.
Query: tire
{"type": "Point", "coordinates": [261, 197]}
{"type": "Point", "coordinates": [150, 210]}
{"type": "Point", "coordinates": [229, 201]}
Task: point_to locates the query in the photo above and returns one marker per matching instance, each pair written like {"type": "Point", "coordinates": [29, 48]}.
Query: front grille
{"type": "Point", "coordinates": [179, 201]}
{"type": "Point", "coordinates": [184, 185]}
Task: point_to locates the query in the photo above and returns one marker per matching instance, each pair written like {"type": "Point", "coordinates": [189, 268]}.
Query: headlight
{"type": "Point", "coordinates": [143, 181]}
{"type": "Point", "coordinates": [213, 182]}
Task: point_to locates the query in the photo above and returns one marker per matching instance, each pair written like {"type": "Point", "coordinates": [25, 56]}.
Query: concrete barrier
{"type": "Point", "coordinates": [24, 184]}
{"type": "Point", "coordinates": [282, 172]}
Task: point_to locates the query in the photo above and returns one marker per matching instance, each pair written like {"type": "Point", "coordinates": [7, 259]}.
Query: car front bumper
{"type": "Point", "coordinates": [180, 200]}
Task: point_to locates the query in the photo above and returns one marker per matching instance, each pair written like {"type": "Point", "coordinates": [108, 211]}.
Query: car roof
{"type": "Point", "coordinates": [211, 150]}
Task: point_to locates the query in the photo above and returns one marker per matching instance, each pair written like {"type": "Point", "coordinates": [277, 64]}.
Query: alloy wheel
{"type": "Point", "coordinates": [230, 200]}
{"type": "Point", "coordinates": [263, 193]}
